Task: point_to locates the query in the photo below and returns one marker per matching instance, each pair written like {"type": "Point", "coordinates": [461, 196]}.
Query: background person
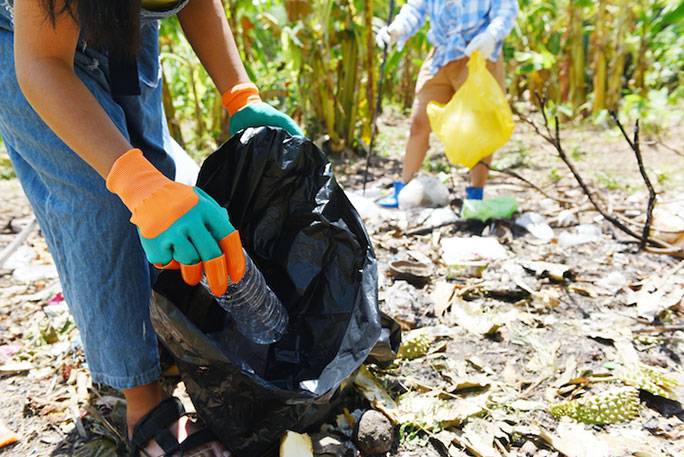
{"type": "Point", "coordinates": [457, 29]}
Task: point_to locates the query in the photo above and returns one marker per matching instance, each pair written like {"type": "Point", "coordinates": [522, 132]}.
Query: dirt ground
{"type": "Point", "coordinates": [508, 336]}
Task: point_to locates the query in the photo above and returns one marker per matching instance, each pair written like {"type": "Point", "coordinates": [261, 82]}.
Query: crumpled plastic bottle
{"type": "Point", "coordinates": [258, 313]}
{"type": "Point", "coordinates": [477, 120]}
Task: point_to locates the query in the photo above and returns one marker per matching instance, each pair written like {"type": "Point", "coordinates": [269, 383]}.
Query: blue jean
{"type": "Point", "coordinates": [102, 267]}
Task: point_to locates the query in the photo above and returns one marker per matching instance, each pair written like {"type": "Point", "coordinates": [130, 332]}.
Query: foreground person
{"type": "Point", "coordinates": [82, 119]}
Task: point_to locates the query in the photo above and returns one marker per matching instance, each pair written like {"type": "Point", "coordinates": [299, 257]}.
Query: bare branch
{"type": "Point", "coordinates": [651, 192]}
{"type": "Point", "coordinates": [656, 246]}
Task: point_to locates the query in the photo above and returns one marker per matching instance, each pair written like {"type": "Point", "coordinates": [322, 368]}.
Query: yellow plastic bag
{"type": "Point", "coordinates": [477, 120]}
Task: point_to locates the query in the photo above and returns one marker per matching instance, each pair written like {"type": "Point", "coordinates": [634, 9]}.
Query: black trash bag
{"type": "Point", "coordinates": [312, 247]}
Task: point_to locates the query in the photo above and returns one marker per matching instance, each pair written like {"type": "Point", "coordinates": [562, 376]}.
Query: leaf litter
{"type": "Point", "coordinates": [553, 348]}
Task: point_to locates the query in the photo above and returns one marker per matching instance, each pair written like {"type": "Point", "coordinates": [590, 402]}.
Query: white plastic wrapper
{"type": "Point", "coordinates": [423, 192]}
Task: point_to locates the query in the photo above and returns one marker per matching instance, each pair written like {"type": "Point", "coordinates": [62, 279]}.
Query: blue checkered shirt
{"type": "Point", "coordinates": [454, 23]}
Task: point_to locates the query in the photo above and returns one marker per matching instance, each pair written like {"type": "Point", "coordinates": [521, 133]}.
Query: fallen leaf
{"type": "Point", "coordinates": [376, 395]}
{"type": "Point", "coordinates": [430, 411]}
{"type": "Point", "coordinates": [555, 271]}
{"type": "Point", "coordinates": [15, 367]}
{"type": "Point", "coordinates": [441, 297]}
{"type": "Point", "coordinates": [7, 436]}
{"type": "Point", "coordinates": [472, 317]}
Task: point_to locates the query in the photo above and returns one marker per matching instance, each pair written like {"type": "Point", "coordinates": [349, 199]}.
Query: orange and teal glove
{"type": "Point", "coordinates": [247, 110]}
{"type": "Point", "coordinates": [179, 226]}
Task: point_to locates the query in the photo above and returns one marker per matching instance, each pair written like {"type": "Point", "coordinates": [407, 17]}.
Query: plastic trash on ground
{"type": "Point", "coordinates": [310, 244]}
{"type": "Point", "coordinates": [457, 250]}
{"type": "Point", "coordinates": [477, 120]}
{"type": "Point", "coordinates": [536, 225]}
{"type": "Point", "coordinates": [489, 208]}
{"type": "Point", "coordinates": [423, 192]}
{"type": "Point", "coordinates": [441, 216]}
{"type": "Point", "coordinates": [613, 282]}
{"type": "Point", "coordinates": [368, 209]}
{"type": "Point", "coordinates": [584, 233]}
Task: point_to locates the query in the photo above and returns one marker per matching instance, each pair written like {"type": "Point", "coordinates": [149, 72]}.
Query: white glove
{"type": "Point", "coordinates": [484, 42]}
{"type": "Point", "coordinates": [387, 36]}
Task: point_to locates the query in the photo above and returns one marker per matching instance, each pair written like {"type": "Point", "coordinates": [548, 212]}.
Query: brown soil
{"type": "Point", "coordinates": [551, 337]}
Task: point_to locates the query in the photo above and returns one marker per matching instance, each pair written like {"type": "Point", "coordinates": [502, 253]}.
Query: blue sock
{"type": "Point", "coordinates": [474, 193]}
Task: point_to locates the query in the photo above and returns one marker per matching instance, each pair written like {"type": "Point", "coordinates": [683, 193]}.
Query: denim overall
{"type": "Point", "coordinates": [102, 267]}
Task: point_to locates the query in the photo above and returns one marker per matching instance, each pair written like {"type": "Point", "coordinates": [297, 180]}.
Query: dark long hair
{"type": "Point", "coordinates": [104, 23]}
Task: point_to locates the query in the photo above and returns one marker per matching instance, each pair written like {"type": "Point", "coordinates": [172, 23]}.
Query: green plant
{"type": "Point", "coordinates": [610, 181]}
{"type": "Point", "coordinates": [6, 169]}
{"type": "Point", "coordinates": [410, 434]}
{"type": "Point", "coordinates": [577, 153]}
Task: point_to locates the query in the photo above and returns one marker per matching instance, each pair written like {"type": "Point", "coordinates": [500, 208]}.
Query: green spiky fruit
{"type": "Point", "coordinates": [647, 378]}
{"type": "Point", "coordinates": [619, 405]}
{"type": "Point", "coordinates": [414, 344]}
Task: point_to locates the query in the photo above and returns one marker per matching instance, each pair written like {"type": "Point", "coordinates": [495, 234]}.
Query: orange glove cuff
{"type": "Point", "coordinates": [239, 96]}
{"type": "Point", "coordinates": [154, 200]}
{"type": "Point", "coordinates": [133, 178]}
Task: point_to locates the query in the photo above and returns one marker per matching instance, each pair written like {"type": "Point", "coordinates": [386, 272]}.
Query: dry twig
{"type": "Point", "coordinates": [651, 192]}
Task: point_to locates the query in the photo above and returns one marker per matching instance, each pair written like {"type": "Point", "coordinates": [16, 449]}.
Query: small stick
{"type": "Point", "coordinates": [18, 241]}
{"type": "Point", "coordinates": [659, 329]}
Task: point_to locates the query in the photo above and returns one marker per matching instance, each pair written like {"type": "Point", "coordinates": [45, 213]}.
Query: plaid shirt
{"type": "Point", "coordinates": [454, 23]}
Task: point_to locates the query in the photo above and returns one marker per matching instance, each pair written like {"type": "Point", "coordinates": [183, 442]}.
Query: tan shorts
{"type": "Point", "coordinates": [442, 86]}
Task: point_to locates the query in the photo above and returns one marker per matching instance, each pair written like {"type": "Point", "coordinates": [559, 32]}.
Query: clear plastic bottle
{"type": "Point", "coordinates": [258, 313]}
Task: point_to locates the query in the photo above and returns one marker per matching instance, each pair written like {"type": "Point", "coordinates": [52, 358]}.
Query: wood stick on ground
{"type": "Point", "coordinates": [669, 148]}
{"type": "Point", "coordinates": [659, 329]}
{"type": "Point", "coordinates": [18, 241]}
{"type": "Point", "coordinates": [651, 192]}
{"type": "Point", "coordinates": [509, 172]}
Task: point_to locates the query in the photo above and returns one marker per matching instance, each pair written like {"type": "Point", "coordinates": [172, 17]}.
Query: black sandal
{"type": "Point", "coordinates": [155, 425]}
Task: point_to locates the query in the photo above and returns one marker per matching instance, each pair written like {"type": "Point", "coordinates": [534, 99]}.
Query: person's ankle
{"type": "Point", "coordinates": [474, 193]}
{"type": "Point", "coordinates": [142, 399]}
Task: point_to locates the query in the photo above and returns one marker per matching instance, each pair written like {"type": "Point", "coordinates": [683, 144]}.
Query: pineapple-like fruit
{"type": "Point", "coordinates": [646, 378]}
{"type": "Point", "coordinates": [414, 344]}
{"type": "Point", "coordinates": [618, 405]}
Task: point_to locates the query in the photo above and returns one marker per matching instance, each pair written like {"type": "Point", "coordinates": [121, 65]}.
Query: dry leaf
{"type": "Point", "coordinates": [430, 410]}
{"type": "Point", "coordinates": [555, 271]}
{"type": "Point", "coordinates": [441, 297]}
{"type": "Point", "coordinates": [472, 317]}
{"type": "Point", "coordinates": [376, 395]}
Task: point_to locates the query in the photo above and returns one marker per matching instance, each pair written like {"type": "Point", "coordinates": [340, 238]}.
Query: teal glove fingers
{"type": "Point", "coordinates": [192, 237]}
{"type": "Point", "coordinates": [262, 114]}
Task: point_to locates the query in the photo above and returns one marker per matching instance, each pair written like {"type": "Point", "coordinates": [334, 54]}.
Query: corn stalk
{"type": "Point", "coordinates": [617, 64]}
{"type": "Point", "coordinates": [600, 59]}
{"type": "Point", "coordinates": [576, 89]}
